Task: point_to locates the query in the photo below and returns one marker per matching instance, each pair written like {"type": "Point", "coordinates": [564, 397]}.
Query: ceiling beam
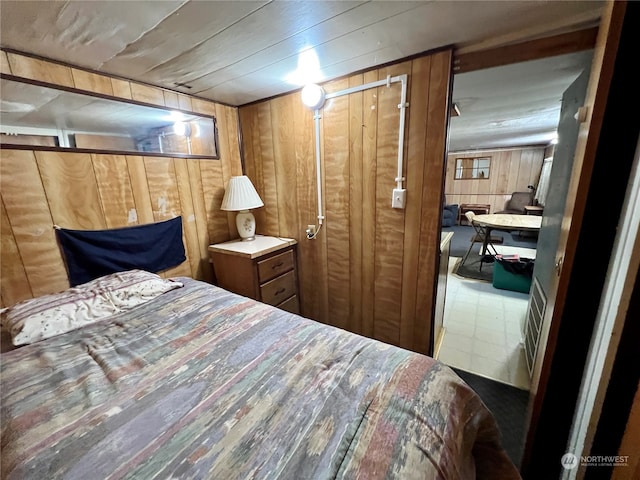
{"type": "Point", "coordinates": [525, 51]}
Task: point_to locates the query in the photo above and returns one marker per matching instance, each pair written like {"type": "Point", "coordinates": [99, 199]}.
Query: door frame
{"type": "Point", "coordinates": [583, 239]}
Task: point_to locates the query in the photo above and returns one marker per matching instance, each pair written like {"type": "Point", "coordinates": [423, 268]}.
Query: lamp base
{"type": "Point", "coordinates": [246, 224]}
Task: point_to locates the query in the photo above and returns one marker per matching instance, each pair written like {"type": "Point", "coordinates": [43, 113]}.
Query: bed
{"type": "Point", "coordinates": [198, 382]}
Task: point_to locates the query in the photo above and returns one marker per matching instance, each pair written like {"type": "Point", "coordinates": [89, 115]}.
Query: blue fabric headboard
{"type": "Point", "coordinates": [93, 253]}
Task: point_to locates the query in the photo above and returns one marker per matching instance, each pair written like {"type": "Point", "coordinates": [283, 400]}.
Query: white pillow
{"type": "Point", "coordinates": [38, 318]}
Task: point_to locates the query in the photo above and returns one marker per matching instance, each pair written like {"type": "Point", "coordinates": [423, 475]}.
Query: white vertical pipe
{"type": "Point", "coordinates": [316, 118]}
{"type": "Point", "coordinates": [403, 107]}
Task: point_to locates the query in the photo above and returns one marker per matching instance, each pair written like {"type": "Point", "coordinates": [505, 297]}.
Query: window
{"type": "Point", "coordinates": [472, 168]}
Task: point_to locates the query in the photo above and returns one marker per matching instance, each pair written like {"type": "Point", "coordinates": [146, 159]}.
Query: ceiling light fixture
{"type": "Point", "coordinates": [313, 96]}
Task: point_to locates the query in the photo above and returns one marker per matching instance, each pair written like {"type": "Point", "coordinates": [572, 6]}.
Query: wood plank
{"type": "Point", "coordinates": [514, 171]}
{"type": "Point", "coordinates": [389, 221]}
{"type": "Point", "coordinates": [105, 142]}
{"type": "Point", "coordinates": [205, 270]}
{"type": "Point", "coordinates": [163, 191]}
{"type": "Point", "coordinates": [140, 189]}
{"type": "Point", "coordinates": [189, 226]}
{"type": "Point", "coordinates": [524, 51]}
{"type": "Point", "coordinates": [285, 172]}
{"type": "Point", "coordinates": [146, 94]}
{"type": "Point", "coordinates": [4, 63]}
{"type": "Point", "coordinates": [185, 102]}
{"type": "Point", "coordinates": [165, 201]}
{"type": "Point", "coordinates": [28, 212]}
{"type": "Point", "coordinates": [13, 277]}
{"type": "Point", "coordinates": [233, 134]}
{"type": "Point", "coordinates": [369, 175]}
{"type": "Point", "coordinates": [416, 117]}
{"type": "Point", "coordinates": [36, 69]}
{"type": "Point", "coordinates": [213, 192]}
{"type": "Point", "coordinates": [439, 87]}
{"type": "Point", "coordinates": [70, 184]}
{"type": "Point", "coordinates": [311, 253]}
{"type": "Point", "coordinates": [336, 164]}
{"type": "Point", "coordinates": [493, 178]}
{"type": "Point", "coordinates": [121, 88]}
{"type": "Point", "coordinates": [91, 82]}
{"type": "Point", "coordinates": [269, 193]}
{"type": "Point", "coordinates": [205, 107]}
{"type": "Point", "coordinates": [251, 148]}
{"type": "Point", "coordinates": [226, 161]}
{"type": "Point", "coordinates": [114, 188]}
{"type": "Point", "coordinates": [171, 99]}
{"type": "Point", "coordinates": [355, 205]}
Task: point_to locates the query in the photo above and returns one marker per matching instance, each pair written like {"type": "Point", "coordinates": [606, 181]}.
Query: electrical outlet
{"type": "Point", "coordinates": [311, 230]}
{"type": "Point", "coordinates": [399, 197]}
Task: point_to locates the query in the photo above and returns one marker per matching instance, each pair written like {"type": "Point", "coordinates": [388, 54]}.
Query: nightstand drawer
{"type": "Point", "coordinates": [279, 289]}
{"type": "Point", "coordinates": [291, 305]}
{"type": "Point", "coordinates": [274, 266]}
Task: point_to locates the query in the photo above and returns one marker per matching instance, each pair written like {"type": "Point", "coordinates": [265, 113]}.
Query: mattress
{"type": "Point", "coordinates": [203, 383]}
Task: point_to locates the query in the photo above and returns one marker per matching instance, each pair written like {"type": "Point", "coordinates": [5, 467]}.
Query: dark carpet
{"type": "Point", "coordinates": [462, 235]}
{"type": "Point", "coordinates": [509, 407]}
{"type": "Point", "coordinates": [471, 268]}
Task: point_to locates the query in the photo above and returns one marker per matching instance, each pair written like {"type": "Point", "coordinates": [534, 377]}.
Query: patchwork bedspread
{"type": "Point", "coordinates": [203, 383]}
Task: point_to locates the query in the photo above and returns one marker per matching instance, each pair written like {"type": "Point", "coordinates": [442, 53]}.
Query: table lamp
{"type": "Point", "coordinates": [240, 196]}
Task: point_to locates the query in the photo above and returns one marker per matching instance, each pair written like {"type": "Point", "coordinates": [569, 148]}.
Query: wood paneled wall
{"type": "Point", "coordinates": [372, 269]}
{"type": "Point", "coordinates": [93, 191]}
{"type": "Point", "coordinates": [511, 171]}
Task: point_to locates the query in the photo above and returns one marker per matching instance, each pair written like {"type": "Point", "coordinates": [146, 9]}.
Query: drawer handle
{"type": "Point", "coordinates": [277, 265]}
{"type": "Point", "coordinates": [281, 290]}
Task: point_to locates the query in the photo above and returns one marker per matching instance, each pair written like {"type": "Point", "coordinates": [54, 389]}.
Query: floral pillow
{"type": "Point", "coordinates": [38, 318]}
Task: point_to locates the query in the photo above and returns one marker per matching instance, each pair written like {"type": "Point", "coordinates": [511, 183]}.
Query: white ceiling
{"type": "Point", "coordinates": [237, 52]}
{"type": "Point", "coordinates": [513, 105]}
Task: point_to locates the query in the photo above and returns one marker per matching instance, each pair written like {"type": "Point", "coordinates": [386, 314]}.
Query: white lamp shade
{"type": "Point", "coordinates": [240, 195]}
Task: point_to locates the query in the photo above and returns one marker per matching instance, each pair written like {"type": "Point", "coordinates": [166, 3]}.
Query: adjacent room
{"type": "Point", "coordinates": [289, 239]}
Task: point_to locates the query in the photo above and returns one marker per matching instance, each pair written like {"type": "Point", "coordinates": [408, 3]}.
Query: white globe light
{"type": "Point", "coordinates": [313, 96]}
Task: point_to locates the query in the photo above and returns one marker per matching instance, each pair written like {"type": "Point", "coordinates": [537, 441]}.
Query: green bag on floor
{"type": "Point", "coordinates": [513, 274]}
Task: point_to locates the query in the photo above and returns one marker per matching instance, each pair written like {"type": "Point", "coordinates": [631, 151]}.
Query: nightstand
{"type": "Point", "coordinates": [264, 269]}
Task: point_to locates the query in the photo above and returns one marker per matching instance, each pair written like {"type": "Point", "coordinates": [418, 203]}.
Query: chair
{"type": "Point", "coordinates": [449, 215]}
{"type": "Point", "coordinates": [479, 238]}
{"type": "Point", "coordinates": [449, 212]}
{"type": "Point", "coordinates": [517, 202]}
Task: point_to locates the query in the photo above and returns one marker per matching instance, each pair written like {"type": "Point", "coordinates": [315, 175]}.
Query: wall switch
{"type": "Point", "coordinates": [399, 197]}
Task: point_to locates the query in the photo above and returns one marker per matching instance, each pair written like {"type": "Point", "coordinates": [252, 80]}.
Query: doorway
{"type": "Point", "coordinates": [485, 327]}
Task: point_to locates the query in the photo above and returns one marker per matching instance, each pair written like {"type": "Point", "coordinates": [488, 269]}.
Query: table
{"type": "Point", "coordinates": [477, 208]}
{"type": "Point", "coordinates": [507, 223]}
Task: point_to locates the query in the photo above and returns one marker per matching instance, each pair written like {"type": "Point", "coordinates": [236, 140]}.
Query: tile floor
{"type": "Point", "coordinates": [483, 330]}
